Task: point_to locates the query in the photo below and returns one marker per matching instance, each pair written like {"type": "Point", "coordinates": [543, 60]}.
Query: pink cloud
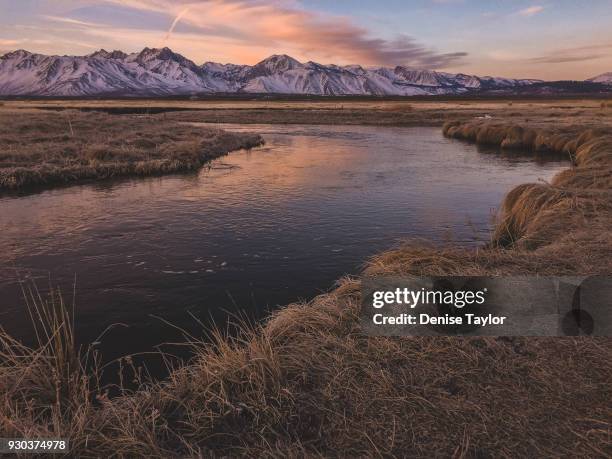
{"type": "Point", "coordinates": [281, 27]}
{"type": "Point", "coordinates": [531, 11]}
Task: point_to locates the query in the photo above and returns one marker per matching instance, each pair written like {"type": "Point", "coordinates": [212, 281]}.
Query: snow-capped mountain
{"type": "Point", "coordinates": [604, 78]}
{"type": "Point", "coordinates": [164, 72]}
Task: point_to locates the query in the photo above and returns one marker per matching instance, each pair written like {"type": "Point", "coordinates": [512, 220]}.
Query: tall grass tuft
{"type": "Point", "coordinates": [576, 204]}
{"type": "Point", "coordinates": [46, 390]}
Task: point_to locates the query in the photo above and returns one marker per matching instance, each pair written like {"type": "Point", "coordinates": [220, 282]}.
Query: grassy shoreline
{"type": "Point", "coordinates": [309, 383]}
{"type": "Point", "coordinates": [43, 149]}
{"type": "Point", "coordinates": [406, 112]}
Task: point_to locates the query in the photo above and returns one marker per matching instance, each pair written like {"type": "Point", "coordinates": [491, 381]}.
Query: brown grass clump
{"type": "Point", "coordinates": [577, 200]}
{"type": "Point", "coordinates": [585, 178]}
{"type": "Point", "coordinates": [521, 206]}
{"type": "Point", "coordinates": [490, 135]}
{"type": "Point", "coordinates": [513, 138]}
{"type": "Point", "coordinates": [594, 152]}
{"type": "Point", "coordinates": [47, 148]}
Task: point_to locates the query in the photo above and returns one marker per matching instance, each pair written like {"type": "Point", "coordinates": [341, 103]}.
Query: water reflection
{"type": "Point", "coordinates": [257, 229]}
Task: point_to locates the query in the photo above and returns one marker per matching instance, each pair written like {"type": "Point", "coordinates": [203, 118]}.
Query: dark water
{"type": "Point", "coordinates": [258, 229]}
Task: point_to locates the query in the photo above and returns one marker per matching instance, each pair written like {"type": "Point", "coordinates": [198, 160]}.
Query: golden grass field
{"type": "Point", "coordinates": [308, 382]}
{"type": "Point", "coordinates": [537, 112]}
{"type": "Point", "coordinates": [41, 148]}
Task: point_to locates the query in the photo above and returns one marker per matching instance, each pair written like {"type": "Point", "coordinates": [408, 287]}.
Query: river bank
{"type": "Point", "coordinates": [308, 382]}
{"type": "Point", "coordinates": [43, 148]}
{"type": "Point", "coordinates": [51, 142]}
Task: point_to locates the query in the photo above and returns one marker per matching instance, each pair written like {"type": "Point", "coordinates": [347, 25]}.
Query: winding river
{"type": "Point", "coordinates": [254, 230]}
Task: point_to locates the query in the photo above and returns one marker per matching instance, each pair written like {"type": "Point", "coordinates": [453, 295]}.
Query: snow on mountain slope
{"type": "Point", "coordinates": [163, 72]}
{"type": "Point", "coordinates": [35, 74]}
{"type": "Point", "coordinates": [172, 67]}
{"type": "Point", "coordinates": [282, 74]}
{"type": "Point", "coordinates": [605, 78]}
{"type": "Point", "coordinates": [150, 72]}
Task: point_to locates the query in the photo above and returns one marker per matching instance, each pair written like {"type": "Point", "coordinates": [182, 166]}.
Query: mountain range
{"type": "Point", "coordinates": [162, 72]}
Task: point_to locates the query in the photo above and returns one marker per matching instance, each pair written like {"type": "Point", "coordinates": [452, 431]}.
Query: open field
{"type": "Point", "coordinates": [407, 112]}
{"type": "Point", "coordinates": [41, 148]}
{"type": "Point", "coordinates": [45, 143]}
{"type": "Point", "coordinates": [308, 382]}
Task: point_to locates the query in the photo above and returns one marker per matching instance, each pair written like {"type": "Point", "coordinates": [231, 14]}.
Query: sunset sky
{"type": "Point", "coordinates": [548, 39]}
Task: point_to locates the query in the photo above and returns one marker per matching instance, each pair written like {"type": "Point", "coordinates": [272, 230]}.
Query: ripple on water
{"type": "Point", "coordinates": [271, 226]}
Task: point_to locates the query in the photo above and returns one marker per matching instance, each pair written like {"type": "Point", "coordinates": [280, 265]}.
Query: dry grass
{"type": "Point", "coordinates": [536, 113]}
{"type": "Point", "coordinates": [45, 391]}
{"type": "Point", "coordinates": [309, 383]}
{"type": "Point", "coordinates": [47, 148]}
{"type": "Point", "coordinates": [577, 204]}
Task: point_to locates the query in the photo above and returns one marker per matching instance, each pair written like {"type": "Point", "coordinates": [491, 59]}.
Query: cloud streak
{"type": "Point", "coordinates": [74, 22]}
{"type": "Point", "coordinates": [531, 11]}
{"type": "Point", "coordinates": [175, 22]}
{"type": "Point", "coordinates": [283, 27]}
{"type": "Point", "coordinates": [9, 43]}
{"type": "Point", "coordinates": [576, 54]}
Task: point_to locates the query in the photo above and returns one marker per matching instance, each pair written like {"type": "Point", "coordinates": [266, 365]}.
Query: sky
{"type": "Point", "coordinates": [546, 39]}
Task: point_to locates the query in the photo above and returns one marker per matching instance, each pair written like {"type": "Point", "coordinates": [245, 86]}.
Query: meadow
{"type": "Point", "coordinates": [43, 148]}
{"type": "Point", "coordinates": [308, 382]}
{"type": "Point", "coordinates": [50, 142]}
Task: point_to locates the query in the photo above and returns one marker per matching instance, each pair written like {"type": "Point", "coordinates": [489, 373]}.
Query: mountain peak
{"type": "Point", "coordinates": [19, 53]}
{"type": "Point", "coordinates": [152, 56]}
{"type": "Point", "coordinates": [605, 78]}
{"type": "Point", "coordinates": [279, 63]}
{"type": "Point", "coordinates": [280, 57]}
{"type": "Point", "coordinates": [163, 54]}
{"type": "Point", "coordinates": [103, 54]}
{"type": "Point", "coordinates": [423, 77]}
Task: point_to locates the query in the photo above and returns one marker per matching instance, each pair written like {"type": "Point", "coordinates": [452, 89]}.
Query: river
{"type": "Point", "coordinates": [255, 230]}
